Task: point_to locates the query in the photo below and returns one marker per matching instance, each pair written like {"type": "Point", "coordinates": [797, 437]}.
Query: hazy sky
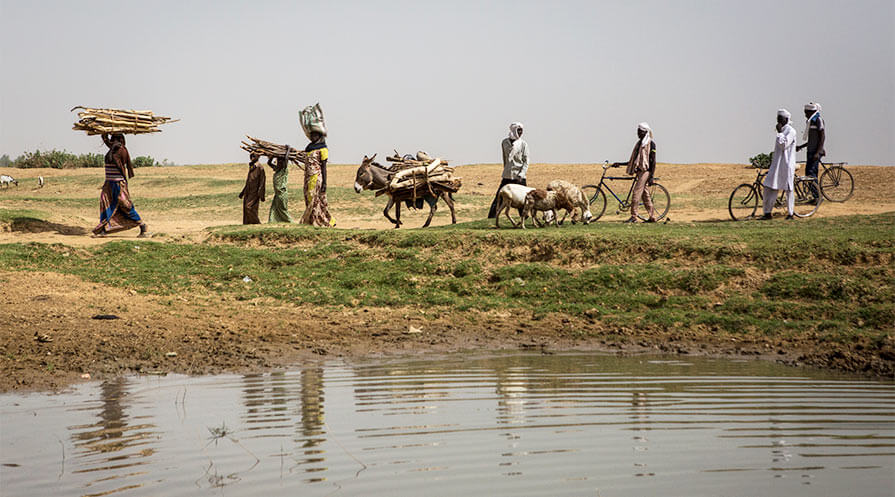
{"type": "Point", "coordinates": [448, 77]}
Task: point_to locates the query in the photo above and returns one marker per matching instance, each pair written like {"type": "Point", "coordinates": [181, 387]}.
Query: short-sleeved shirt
{"type": "Point", "coordinates": [815, 126]}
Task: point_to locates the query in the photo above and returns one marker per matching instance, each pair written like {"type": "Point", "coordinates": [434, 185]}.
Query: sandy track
{"type": "Point", "coordinates": [699, 193]}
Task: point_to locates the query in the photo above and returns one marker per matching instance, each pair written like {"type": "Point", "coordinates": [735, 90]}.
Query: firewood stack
{"type": "Point", "coordinates": [269, 149]}
{"type": "Point", "coordinates": [132, 122]}
{"type": "Point", "coordinates": [420, 176]}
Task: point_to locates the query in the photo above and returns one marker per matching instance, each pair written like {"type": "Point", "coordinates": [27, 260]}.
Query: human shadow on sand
{"type": "Point", "coordinates": [26, 224]}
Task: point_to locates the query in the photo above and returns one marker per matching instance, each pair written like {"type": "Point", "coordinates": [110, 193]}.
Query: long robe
{"type": "Point", "coordinates": [279, 206]}
{"type": "Point", "coordinates": [316, 205]}
{"type": "Point", "coordinates": [116, 210]}
{"type": "Point", "coordinates": [253, 194]}
{"type": "Point", "coordinates": [783, 164]}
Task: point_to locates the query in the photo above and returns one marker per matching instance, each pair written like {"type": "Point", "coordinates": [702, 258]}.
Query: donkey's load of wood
{"type": "Point", "coordinates": [132, 122]}
{"type": "Point", "coordinates": [416, 176]}
{"type": "Point", "coordinates": [261, 147]}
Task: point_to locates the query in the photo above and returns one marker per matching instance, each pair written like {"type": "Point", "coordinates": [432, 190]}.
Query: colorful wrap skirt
{"type": "Point", "coordinates": [116, 211]}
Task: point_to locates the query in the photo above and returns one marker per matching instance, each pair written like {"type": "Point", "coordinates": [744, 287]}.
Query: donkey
{"type": "Point", "coordinates": [372, 176]}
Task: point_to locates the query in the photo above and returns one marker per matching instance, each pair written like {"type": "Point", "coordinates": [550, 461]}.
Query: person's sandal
{"type": "Point", "coordinates": [631, 220]}
{"type": "Point", "coordinates": [144, 231]}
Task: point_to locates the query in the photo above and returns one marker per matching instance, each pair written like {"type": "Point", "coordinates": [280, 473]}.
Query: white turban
{"type": "Point", "coordinates": [648, 136]}
{"type": "Point", "coordinates": [810, 106]}
{"type": "Point", "coordinates": [515, 128]}
{"type": "Point", "coordinates": [783, 112]}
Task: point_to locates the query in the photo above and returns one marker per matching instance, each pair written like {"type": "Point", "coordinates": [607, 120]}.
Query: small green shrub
{"type": "Point", "coordinates": [761, 161]}
{"type": "Point", "coordinates": [145, 161]}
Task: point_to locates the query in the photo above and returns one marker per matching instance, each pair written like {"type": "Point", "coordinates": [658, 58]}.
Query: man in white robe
{"type": "Point", "coordinates": [783, 167]}
{"type": "Point", "coordinates": [515, 163]}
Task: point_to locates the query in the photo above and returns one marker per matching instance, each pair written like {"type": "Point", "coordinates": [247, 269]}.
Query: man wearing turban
{"type": "Point", "coordinates": [515, 163]}
{"type": "Point", "coordinates": [642, 165]}
{"type": "Point", "coordinates": [783, 167]}
{"type": "Point", "coordinates": [815, 135]}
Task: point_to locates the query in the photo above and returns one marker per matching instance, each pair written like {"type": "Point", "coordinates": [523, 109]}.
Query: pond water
{"type": "Point", "coordinates": [518, 424]}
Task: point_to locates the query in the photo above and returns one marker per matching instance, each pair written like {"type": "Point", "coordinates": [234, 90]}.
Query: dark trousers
{"type": "Point", "coordinates": [812, 164]}
{"type": "Point", "coordinates": [811, 167]}
{"type": "Point", "coordinates": [492, 213]}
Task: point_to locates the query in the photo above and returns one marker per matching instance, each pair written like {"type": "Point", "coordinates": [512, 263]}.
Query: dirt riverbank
{"type": "Point", "coordinates": [52, 332]}
{"type": "Point", "coordinates": [53, 335]}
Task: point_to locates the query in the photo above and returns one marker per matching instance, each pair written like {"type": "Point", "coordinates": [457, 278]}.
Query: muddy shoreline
{"type": "Point", "coordinates": [55, 337]}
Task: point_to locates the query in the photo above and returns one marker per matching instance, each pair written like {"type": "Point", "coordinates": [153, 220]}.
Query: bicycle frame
{"type": "Point", "coordinates": [622, 204]}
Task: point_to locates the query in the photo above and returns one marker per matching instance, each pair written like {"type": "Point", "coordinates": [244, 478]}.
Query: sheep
{"type": "Point", "coordinates": [6, 180]}
{"type": "Point", "coordinates": [543, 200]}
{"type": "Point", "coordinates": [512, 196]}
{"type": "Point", "coordinates": [40, 181]}
{"type": "Point", "coordinates": [574, 197]}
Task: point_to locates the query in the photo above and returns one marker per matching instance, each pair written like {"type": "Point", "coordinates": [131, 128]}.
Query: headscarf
{"type": "Point", "coordinates": [648, 137]}
{"type": "Point", "coordinates": [783, 112]}
{"type": "Point", "coordinates": [639, 160]}
{"type": "Point", "coordinates": [816, 108]}
{"type": "Point", "coordinates": [515, 128]}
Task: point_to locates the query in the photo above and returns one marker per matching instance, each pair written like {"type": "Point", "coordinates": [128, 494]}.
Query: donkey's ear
{"type": "Point", "coordinates": [374, 156]}
{"type": "Point", "coordinates": [365, 159]}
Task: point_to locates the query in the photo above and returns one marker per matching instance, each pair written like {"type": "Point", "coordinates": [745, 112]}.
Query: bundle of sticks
{"type": "Point", "coordinates": [133, 122]}
{"type": "Point", "coordinates": [269, 149]}
{"type": "Point", "coordinates": [399, 162]}
{"type": "Point", "coordinates": [419, 177]}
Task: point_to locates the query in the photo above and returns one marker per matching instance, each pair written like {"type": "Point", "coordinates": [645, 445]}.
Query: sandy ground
{"type": "Point", "coordinates": [699, 192]}
{"type": "Point", "coordinates": [49, 335]}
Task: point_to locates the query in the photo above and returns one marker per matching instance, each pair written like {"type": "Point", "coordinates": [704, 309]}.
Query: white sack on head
{"type": "Point", "coordinates": [311, 119]}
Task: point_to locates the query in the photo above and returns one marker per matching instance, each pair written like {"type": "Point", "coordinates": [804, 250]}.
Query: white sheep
{"type": "Point", "coordinates": [573, 197]}
{"type": "Point", "coordinates": [512, 196]}
{"type": "Point", "coordinates": [40, 181]}
{"type": "Point", "coordinates": [545, 201]}
{"type": "Point", "coordinates": [5, 180]}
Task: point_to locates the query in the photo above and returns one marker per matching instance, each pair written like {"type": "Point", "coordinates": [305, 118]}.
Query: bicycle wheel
{"type": "Point", "coordinates": [661, 202]}
{"type": "Point", "coordinates": [597, 200]}
{"type": "Point", "coordinates": [743, 202]}
{"type": "Point", "coordinates": [806, 201]}
{"type": "Point", "coordinates": [837, 184]}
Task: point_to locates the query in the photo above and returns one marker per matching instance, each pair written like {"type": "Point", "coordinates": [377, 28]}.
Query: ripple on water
{"type": "Point", "coordinates": [512, 424]}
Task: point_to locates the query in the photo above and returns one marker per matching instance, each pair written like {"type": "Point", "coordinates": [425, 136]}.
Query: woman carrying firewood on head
{"type": "Point", "coordinates": [279, 206]}
{"type": "Point", "coordinates": [316, 205]}
{"type": "Point", "coordinates": [116, 211]}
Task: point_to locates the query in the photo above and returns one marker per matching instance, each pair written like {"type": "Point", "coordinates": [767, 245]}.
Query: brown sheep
{"type": "Point", "coordinates": [543, 200]}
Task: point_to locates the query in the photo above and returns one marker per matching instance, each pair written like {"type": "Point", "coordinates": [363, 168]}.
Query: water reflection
{"type": "Point", "coordinates": [310, 430]}
{"type": "Point", "coordinates": [112, 447]}
{"type": "Point", "coordinates": [516, 424]}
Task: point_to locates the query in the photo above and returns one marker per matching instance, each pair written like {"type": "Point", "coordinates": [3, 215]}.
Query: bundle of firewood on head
{"type": "Point", "coordinates": [420, 175]}
{"type": "Point", "coordinates": [273, 150]}
{"type": "Point", "coordinates": [111, 121]}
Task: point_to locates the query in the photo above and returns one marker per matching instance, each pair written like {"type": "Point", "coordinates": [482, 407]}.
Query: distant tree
{"type": "Point", "coordinates": [144, 161]}
{"type": "Point", "coordinates": [761, 161]}
{"type": "Point", "coordinates": [5, 161]}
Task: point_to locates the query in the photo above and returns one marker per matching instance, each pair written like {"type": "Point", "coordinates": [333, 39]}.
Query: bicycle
{"type": "Point", "coordinates": [745, 198]}
{"type": "Point", "coordinates": [597, 197]}
{"type": "Point", "coordinates": [836, 182]}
